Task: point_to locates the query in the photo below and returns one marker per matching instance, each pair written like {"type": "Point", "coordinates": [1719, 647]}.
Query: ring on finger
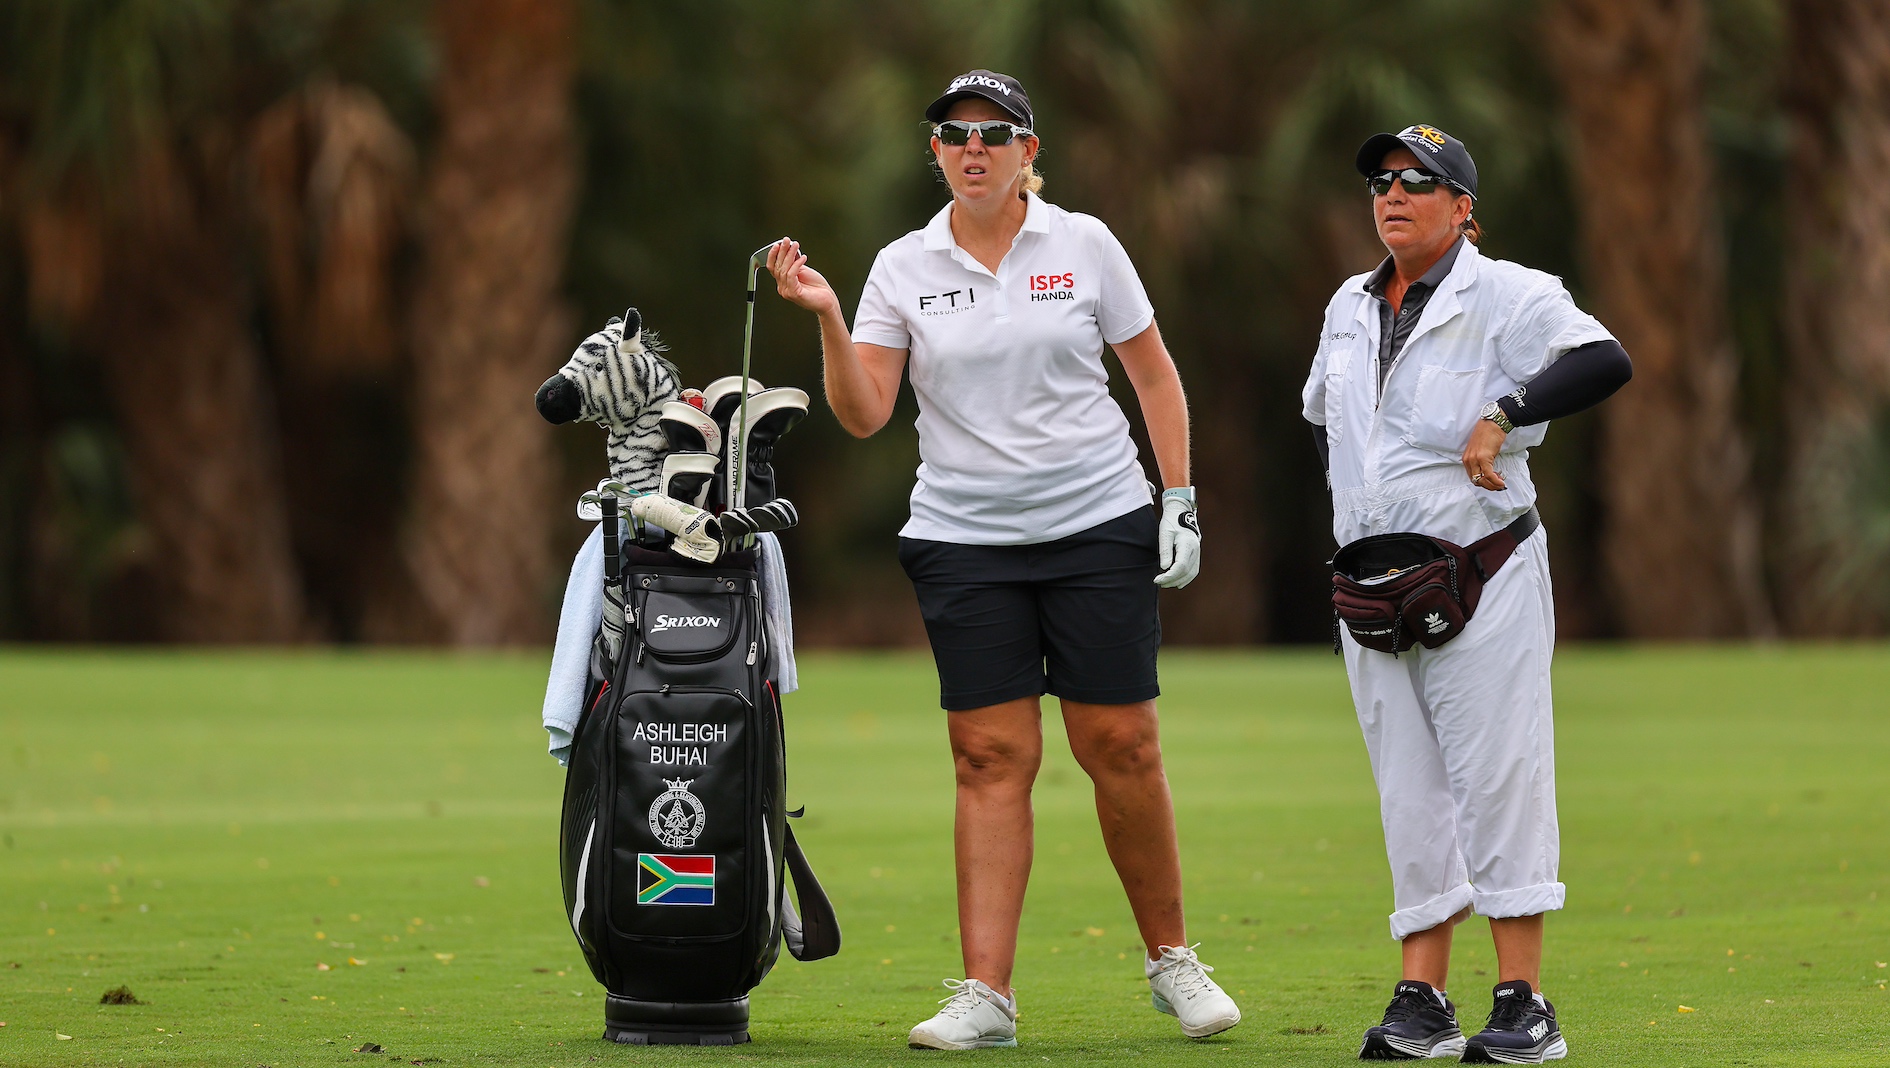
{"type": "Point", "coordinates": [1478, 477]}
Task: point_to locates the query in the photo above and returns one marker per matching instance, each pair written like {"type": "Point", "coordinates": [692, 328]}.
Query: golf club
{"type": "Point", "coordinates": [737, 473]}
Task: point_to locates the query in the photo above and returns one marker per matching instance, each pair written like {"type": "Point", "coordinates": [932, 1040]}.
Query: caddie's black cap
{"type": "Point", "coordinates": [1000, 89]}
{"type": "Point", "coordinates": [1441, 154]}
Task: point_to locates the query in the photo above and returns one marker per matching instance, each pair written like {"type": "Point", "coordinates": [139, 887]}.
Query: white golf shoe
{"type": "Point", "coordinates": [974, 1017]}
{"type": "Point", "coordinates": [1180, 987]}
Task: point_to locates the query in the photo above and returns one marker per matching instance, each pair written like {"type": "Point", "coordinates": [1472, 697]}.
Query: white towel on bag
{"type": "Point", "coordinates": [583, 613]}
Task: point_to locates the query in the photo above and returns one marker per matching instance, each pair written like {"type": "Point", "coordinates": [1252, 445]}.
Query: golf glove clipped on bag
{"type": "Point", "coordinates": [1179, 540]}
{"type": "Point", "coordinates": [694, 528]}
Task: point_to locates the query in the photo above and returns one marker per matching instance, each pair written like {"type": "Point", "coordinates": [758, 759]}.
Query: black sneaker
{"type": "Point", "coordinates": [1415, 1026]}
{"type": "Point", "coordinates": [1519, 1031]}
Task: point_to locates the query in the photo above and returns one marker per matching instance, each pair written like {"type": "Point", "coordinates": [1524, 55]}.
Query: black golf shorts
{"type": "Point", "coordinates": [1075, 617]}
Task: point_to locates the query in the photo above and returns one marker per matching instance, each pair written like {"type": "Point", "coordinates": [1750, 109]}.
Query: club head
{"type": "Point", "coordinates": [590, 507]}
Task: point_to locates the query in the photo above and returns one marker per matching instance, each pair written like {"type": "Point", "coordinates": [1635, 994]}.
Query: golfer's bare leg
{"type": "Point", "coordinates": [1427, 953]}
{"type": "Point", "coordinates": [1119, 746]}
{"type": "Point", "coordinates": [997, 751]}
{"type": "Point", "coordinates": [1518, 949]}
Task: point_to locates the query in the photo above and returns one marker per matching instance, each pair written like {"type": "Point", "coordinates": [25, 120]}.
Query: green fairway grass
{"type": "Point", "coordinates": [211, 829]}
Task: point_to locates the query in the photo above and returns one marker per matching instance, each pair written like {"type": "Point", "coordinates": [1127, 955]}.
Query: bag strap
{"type": "Point", "coordinates": [819, 930]}
{"type": "Point", "coordinates": [1493, 552]}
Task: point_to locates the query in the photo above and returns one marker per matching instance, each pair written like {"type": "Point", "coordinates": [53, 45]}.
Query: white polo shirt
{"type": "Point", "coordinates": [1397, 450]}
{"type": "Point", "coordinates": [1019, 440]}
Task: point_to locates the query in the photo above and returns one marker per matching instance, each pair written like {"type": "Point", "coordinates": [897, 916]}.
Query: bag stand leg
{"type": "Point", "coordinates": [675, 1023]}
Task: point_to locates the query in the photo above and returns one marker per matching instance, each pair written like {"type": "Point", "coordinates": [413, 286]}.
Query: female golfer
{"type": "Point", "coordinates": [1435, 375]}
{"type": "Point", "coordinates": [1033, 544]}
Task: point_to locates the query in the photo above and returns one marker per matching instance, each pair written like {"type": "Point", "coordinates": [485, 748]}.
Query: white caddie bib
{"type": "Point", "coordinates": [1396, 449]}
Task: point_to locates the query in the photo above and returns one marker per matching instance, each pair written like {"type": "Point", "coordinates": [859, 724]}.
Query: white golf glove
{"type": "Point", "coordinates": [1180, 539]}
{"type": "Point", "coordinates": [695, 530]}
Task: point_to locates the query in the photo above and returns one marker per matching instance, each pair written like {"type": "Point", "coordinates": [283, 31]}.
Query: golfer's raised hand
{"type": "Point", "coordinates": [796, 281]}
{"type": "Point", "coordinates": [1479, 456]}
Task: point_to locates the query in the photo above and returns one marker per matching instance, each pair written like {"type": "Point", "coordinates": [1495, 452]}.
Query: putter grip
{"type": "Point", "coordinates": [613, 567]}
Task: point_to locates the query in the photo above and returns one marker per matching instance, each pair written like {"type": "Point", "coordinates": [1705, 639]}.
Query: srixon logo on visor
{"type": "Point", "coordinates": [978, 79]}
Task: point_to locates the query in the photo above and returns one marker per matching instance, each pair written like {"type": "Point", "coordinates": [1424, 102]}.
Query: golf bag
{"type": "Point", "coordinates": [674, 835]}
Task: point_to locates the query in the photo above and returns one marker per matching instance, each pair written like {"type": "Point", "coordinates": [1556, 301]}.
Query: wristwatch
{"type": "Point", "coordinates": [1495, 414]}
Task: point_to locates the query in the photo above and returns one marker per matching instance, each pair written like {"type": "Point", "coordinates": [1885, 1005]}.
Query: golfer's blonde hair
{"type": "Point", "coordinates": [1033, 182]}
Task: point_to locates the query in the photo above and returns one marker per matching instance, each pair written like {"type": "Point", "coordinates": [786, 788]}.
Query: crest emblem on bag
{"type": "Point", "coordinates": [1433, 623]}
{"type": "Point", "coordinates": [677, 816]}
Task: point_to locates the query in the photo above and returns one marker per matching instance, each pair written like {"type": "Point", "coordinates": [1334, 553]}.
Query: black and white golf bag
{"type": "Point", "coordinates": [675, 831]}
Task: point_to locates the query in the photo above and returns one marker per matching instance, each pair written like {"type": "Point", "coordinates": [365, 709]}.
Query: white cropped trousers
{"type": "Point", "coordinates": [1462, 745]}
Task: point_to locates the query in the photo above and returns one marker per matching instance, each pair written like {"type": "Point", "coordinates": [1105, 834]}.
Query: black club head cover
{"type": "Point", "coordinates": [771, 414]}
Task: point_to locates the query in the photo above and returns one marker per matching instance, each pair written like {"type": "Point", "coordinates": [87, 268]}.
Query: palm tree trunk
{"type": "Point", "coordinates": [1837, 579]}
{"type": "Point", "coordinates": [488, 325]}
{"type": "Point", "coordinates": [170, 320]}
{"type": "Point", "coordinates": [334, 178]}
{"type": "Point", "coordinates": [1682, 531]}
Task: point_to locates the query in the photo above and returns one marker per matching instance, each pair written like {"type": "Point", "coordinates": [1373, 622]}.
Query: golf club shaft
{"type": "Point", "coordinates": [738, 431]}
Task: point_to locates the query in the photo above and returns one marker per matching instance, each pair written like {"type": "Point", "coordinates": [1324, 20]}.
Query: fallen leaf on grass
{"type": "Point", "coordinates": [443, 957]}
{"type": "Point", "coordinates": [119, 996]}
{"type": "Point", "coordinates": [356, 962]}
{"type": "Point", "coordinates": [1685, 1008]}
{"type": "Point", "coordinates": [369, 1047]}
{"type": "Point", "coordinates": [62, 1038]}
{"type": "Point", "coordinates": [321, 967]}
{"type": "Point", "coordinates": [1316, 1029]}
{"type": "Point", "coordinates": [481, 881]}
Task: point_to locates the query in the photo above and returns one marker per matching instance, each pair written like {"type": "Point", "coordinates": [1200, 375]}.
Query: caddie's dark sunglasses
{"type": "Point", "coordinates": [994, 133]}
{"type": "Point", "coordinates": [1415, 181]}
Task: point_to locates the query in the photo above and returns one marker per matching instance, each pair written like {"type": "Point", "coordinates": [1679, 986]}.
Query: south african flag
{"type": "Point", "coordinates": [667, 879]}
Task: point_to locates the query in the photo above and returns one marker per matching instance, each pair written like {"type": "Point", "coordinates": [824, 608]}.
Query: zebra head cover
{"type": "Point", "coordinates": [618, 380]}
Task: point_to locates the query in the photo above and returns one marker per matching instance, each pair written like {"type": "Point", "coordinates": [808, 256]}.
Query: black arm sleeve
{"type": "Point", "coordinates": [1581, 379]}
{"type": "Point", "coordinates": [1325, 448]}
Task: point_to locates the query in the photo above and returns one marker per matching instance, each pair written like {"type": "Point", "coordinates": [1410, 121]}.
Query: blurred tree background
{"type": "Point", "coordinates": [278, 279]}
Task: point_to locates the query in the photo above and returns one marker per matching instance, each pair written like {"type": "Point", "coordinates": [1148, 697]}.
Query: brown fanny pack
{"type": "Point", "coordinates": [1393, 591]}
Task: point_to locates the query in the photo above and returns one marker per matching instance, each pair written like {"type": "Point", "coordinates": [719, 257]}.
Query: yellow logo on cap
{"type": "Point", "coordinates": [1429, 133]}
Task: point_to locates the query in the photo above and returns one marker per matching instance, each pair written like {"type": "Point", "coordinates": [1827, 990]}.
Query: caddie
{"type": "Point", "coordinates": [1436, 374]}
{"type": "Point", "coordinates": [1035, 546]}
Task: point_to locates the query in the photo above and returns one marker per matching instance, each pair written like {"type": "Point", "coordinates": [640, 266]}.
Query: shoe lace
{"type": "Point", "coordinates": [1407, 1004]}
{"type": "Point", "coordinates": [964, 997]}
{"type": "Point", "coordinates": [1190, 974]}
{"type": "Point", "coordinates": [1509, 1013]}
